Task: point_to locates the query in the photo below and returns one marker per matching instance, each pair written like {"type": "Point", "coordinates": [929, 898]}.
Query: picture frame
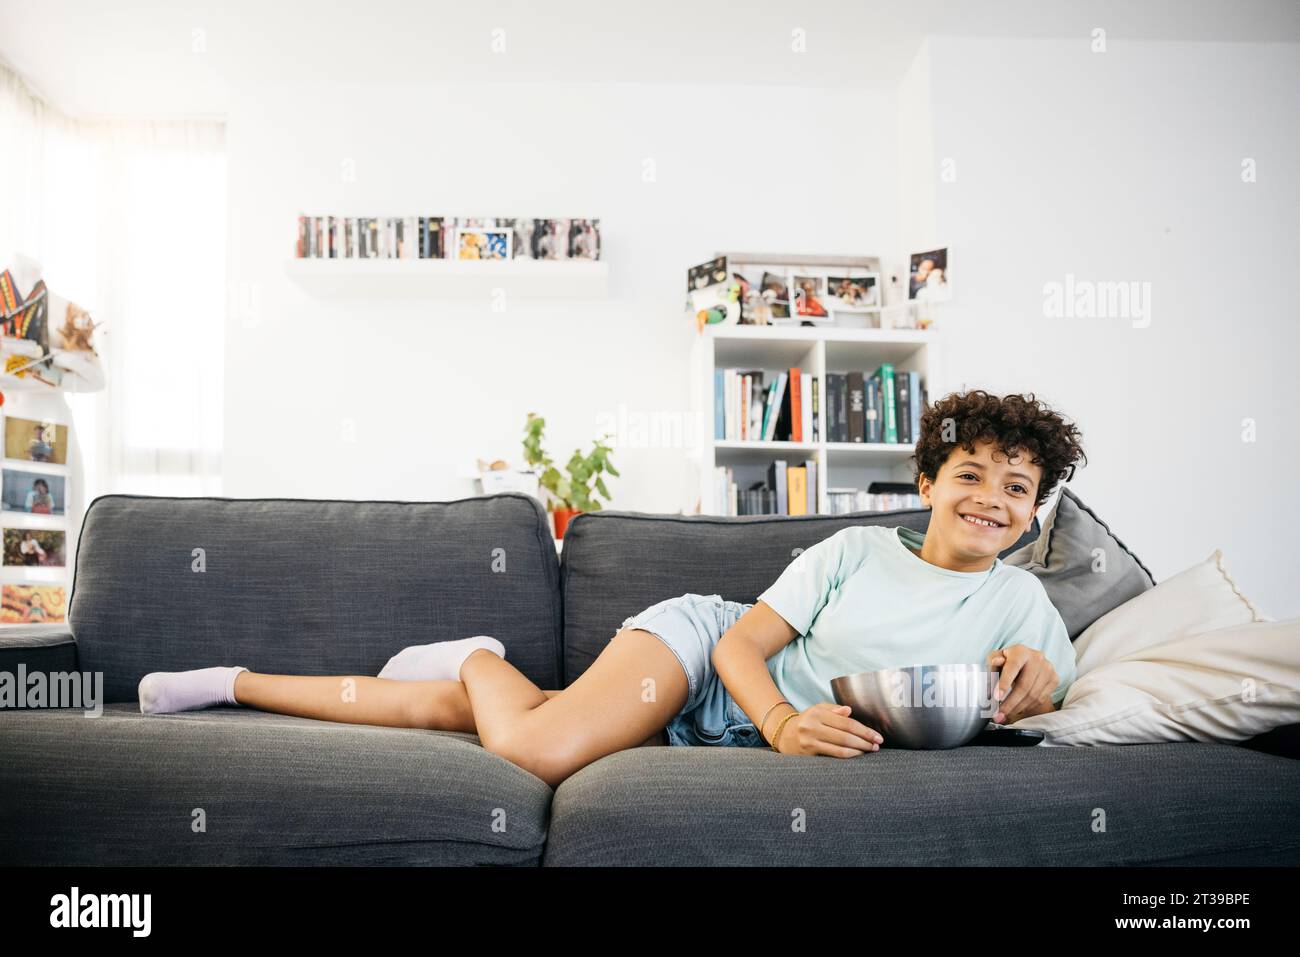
{"type": "Point", "coordinates": [484, 243]}
{"type": "Point", "coordinates": [928, 279]}
{"type": "Point", "coordinates": [808, 296]}
{"type": "Point", "coordinates": [853, 293]}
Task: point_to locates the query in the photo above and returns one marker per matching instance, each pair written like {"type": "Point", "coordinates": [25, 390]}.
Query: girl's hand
{"type": "Point", "coordinates": [1026, 685]}
{"type": "Point", "coordinates": [826, 728]}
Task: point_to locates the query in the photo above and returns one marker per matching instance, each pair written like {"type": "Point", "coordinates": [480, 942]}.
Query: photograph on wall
{"type": "Point", "coordinates": [431, 231]}
{"type": "Point", "coordinates": [853, 292]}
{"type": "Point", "coordinates": [474, 243]}
{"type": "Point", "coordinates": [33, 604]}
{"type": "Point", "coordinates": [34, 492]}
{"type": "Point", "coordinates": [706, 274]}
{"type": "Point", "coordinates": [44, 547]}
{"type": "Point", "coordinates": [928, 281]}
{"type": "Point", "coordinates": [550, 238]}
{"type": "Point", "coordinates": [777, 294]}
{"type": "Point", "coordinates": [810, 297]}
{"type": "Point", "coordinates": [584, 239]}
{"type": "Point", "coordinates": [34, 440]}
{"type": "Point", "coordinates": [522, 233]}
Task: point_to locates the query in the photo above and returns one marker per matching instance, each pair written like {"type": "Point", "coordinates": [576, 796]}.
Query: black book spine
{"type": "Point", "coordinates": [842, 407]}
{"type": "Point", "coordinates": [857, 407]}
{"type": "Point", "coordinates": [829, 400]}
{"type": "Point", "coordinates": [782, 433]}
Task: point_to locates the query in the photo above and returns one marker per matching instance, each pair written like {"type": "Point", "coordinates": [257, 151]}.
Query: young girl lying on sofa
{"type": "Point", "coordinates": [693, 669]}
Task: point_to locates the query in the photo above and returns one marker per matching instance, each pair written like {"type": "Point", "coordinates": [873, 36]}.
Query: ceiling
{"type": "Point", "coordinates": [167, 58]}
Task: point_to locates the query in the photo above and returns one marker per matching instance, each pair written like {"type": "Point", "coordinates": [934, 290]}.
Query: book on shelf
{"type": "Point", "coordinates": [751, 405]}
{"type": "Point", "coordinates": [787, 490]}
{"type": "Point", "coordinates": [877, 497]}
{"type": "Point", "coordinates": [796, 405]}
{"type": "Point", "coordinates": [888, 401]}
{"type": "Point", "coordinates": [862, 408]}
{"type": "Point", "coordinates": [902, 411]}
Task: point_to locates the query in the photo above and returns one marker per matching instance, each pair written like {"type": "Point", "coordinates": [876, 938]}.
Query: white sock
{"type": "Point", "coordinates": [165, 691]}
{"type": "Point", "coordinates": [440, 660]}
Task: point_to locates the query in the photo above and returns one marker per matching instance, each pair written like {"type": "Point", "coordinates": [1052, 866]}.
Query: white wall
{"type": "Point", "coordinates": [1126, 165]}
{"type": "Point", "coordinates": [433, 385]}
{"type": "Point", "coordinates": [1116, 166]}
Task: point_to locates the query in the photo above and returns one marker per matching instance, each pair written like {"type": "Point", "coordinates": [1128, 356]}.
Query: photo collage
{"type": "Point", "coordinates": [446, 237]}
{"type": "Point", "coordinates": [33, 520]}
{"type": "Point", "coordinates": [729, 291]}
{"type": "Point", "coordinates": [736, 293]}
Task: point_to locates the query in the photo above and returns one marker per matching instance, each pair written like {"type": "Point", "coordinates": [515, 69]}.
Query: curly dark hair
{"type": "Point", "coordinates": [1015, 423]}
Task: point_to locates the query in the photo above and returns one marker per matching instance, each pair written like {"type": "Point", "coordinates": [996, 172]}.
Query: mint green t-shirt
{"type": "Point", "coordinates": [861, 601]}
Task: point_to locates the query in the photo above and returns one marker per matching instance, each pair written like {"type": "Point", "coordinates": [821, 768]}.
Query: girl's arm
{"type": "Point", "coordinates": [740, 658]}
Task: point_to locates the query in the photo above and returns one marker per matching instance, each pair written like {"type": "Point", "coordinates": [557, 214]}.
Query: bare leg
{"type": "Point", "coordinates": [360, 699]}
{"type": "Point", "coordinates": [623, 700]}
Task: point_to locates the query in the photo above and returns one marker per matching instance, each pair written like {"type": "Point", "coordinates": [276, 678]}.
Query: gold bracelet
{"type": "Point", "coordinates": [776, 737]}
{"type": "Point", "coordinates": [769, 711]}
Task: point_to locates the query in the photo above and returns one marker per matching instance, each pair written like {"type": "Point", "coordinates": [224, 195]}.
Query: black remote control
{"type": "Point", "coordinates": [998, 736]}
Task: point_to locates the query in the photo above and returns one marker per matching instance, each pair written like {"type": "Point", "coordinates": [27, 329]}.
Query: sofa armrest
{"type": "Point", "coordinates": [37, 648]}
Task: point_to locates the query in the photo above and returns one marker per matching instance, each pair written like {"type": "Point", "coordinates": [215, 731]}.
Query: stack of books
{"type": "Point", "coordinates": [751, 406]}
{"type": "Point", "coordinates": [883, 407]}
{"type": "Point", "coordinates": [787, 490]}
{"type": "Point", "coordinates": [879, 497]}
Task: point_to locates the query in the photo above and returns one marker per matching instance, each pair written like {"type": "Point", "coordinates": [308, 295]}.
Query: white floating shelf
{"type": "Point", "coordinates": [450, 278]}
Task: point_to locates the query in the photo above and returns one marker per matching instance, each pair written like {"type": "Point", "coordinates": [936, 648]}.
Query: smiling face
{"type": "Point", "coordinates": [981, 502]}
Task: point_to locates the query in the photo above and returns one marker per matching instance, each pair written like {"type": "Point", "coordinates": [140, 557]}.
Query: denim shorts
{"type": "Point", "coordinates": [690, 625]}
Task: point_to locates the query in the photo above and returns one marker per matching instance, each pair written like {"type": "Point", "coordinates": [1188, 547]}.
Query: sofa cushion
{"type": "Point", "coordinates": [1225, 686]}
{"type": "Point", "coordinates": [37, 648]}
{"type": "Point", "coordinates": [125, 788]}
{"type": "Point", "coordinates": [1196, 600]}
{"type": "Point", "coordinates": [308, 587]}
{"type": "Point", "coordinates": [1155, 804]}
{"type": "Point", "coordinates": [1085, 569]}
{"type": "Point", "coordinates": [616, 564]}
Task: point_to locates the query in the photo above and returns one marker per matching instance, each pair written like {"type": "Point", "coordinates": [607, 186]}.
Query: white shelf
{"type": "Point", "coordinates": [875, 448]}
{"type": "Point", "coordinates": [903, 449]}
{"type": "Point", "coordinates": [450, 278]}
{"type": "Point", "coordinates": [755, 445]}
{"type": "Point", "coordinates": [823, 333]}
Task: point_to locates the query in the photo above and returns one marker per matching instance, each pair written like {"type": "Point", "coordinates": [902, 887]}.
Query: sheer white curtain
{"type": "Point", "coordinates": [128, 220]}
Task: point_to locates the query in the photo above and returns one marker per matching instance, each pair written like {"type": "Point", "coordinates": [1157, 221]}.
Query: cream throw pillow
{"type": "Point", "coordinates": [1192, 659]}
{"type": "Point", "coordinates": [1202, 598]}
{"type": "Point", "coordinates": [1226, 685]}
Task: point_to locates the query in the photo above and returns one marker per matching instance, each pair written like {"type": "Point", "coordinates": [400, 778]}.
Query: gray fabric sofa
{"type": "Point", "coordinates": [337, 587]}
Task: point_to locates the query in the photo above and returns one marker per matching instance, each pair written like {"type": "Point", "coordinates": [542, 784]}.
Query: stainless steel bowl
{"type": "Point", "coordinates": [921, 706]}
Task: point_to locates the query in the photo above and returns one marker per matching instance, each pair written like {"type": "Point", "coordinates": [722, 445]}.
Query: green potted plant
{"type": "Point", "coordinates": [573, 494]}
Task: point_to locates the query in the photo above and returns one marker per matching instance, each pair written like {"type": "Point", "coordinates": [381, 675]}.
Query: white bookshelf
{"type": "Point", "coordinates": [816, 350]}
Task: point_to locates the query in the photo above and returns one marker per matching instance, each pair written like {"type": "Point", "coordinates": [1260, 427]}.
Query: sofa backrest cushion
{"type": "Point", "coordinates": [616, 564]}
{"type": "Point", "coordinates": [1084, 567]}
{"type": "Point", "coordinates": [309, 587]}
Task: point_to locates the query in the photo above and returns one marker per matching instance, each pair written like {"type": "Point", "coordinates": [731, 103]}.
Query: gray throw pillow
{"type": "Point", "coordinates": [1084, 568]}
